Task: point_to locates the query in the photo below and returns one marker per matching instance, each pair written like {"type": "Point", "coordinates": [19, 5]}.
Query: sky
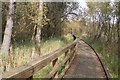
{"type": "Point", "coordinates": [82, 3]}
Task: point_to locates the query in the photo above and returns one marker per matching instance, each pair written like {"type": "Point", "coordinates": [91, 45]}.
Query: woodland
{"type": "Point", "coordinates": [32, 29]}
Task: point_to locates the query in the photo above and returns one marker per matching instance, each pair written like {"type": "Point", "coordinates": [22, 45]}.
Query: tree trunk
{"type": "Point", "coordinates": [118, 28]}
{"type": "Point", "coordinates": [0, 23]}
{"type": "Point", "coordinates": [8, 30]}
{"type": "Point", "coordinates": [37, 40]}
{"type": "Point", "coordinates": [7, 36]}
{"type": "Point", "coordinates": [38, 30]}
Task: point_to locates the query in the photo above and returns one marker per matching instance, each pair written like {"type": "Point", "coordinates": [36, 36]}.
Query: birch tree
{"type": "Point", "coordinates": [7, 35]}
{"type": "Point", "coordinates": [38, 29]}
{"type": "Point", "coordinates": [8, 29]}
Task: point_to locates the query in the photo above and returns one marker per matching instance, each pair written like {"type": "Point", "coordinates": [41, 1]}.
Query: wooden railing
{"type": "Point", "coordinates": [28, 70]}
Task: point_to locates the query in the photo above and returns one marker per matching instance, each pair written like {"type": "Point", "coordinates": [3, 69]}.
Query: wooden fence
{"type": "Point", "coordinates": [28, 70]}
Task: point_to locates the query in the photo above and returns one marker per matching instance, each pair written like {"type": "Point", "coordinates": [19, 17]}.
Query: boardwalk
{"type": "Point", "coordinates": [85, 64]}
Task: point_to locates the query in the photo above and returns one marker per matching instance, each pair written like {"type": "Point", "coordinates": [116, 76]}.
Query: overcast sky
{"type": "Point", "coordinates": [82, 3]}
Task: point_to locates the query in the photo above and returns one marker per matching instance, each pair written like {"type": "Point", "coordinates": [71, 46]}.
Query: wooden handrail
{"type": "Point", "coordinates": [28, 70]}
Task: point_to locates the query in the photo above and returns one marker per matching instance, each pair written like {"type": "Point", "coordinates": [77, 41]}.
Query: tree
{"type": "Point", "coordinates": [8, 29]}
{"type": "Point", "coordinates": [55, 14]}
{"type": "Point", "coordinates": [38, 29]}
{"type": "Point", "coordinates": [8, 33]}
{"type": "Point", "coordinates": [105, 29]}
{"type": "Point", "coordinates": [118, 25]}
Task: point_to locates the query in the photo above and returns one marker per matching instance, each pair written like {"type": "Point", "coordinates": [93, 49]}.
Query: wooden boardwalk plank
{"type": "Point", "coordinates": [85, 64]}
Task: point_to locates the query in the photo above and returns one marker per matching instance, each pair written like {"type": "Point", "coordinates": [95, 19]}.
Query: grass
{"type": "Point", "coordinates": [23, 52]}
{"type": "Point", "coordinates": [111, 62]}
{"type": "Point", "coordinates": [51, 45]}
{"type": "Point", "coordinates": [43, 72]}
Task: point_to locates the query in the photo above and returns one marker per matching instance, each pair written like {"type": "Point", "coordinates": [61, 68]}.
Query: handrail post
{"type": "Point", "coordinates": [66, 55]}
{"type": "Point", "coordinates": [30, 78]}
{"type": "Point", "coordinates": [66, 52]}
{"type": "Point", "coordinates": [72, 51]}
{"type": "Point", "coordinates": [53, 64]}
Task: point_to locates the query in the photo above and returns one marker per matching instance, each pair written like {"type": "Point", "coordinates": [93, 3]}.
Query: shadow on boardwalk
{"type": "Point", "coordinates": [85, 64]}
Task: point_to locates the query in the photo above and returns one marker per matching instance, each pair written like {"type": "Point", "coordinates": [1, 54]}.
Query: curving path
{"type": "Point", "coordinates": [86, 64]}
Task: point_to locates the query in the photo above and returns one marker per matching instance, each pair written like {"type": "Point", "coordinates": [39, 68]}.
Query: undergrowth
{"type": "Point", "coordinates": [111, 59]}
{"type": "Point", "coordinates": [23, 52]}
